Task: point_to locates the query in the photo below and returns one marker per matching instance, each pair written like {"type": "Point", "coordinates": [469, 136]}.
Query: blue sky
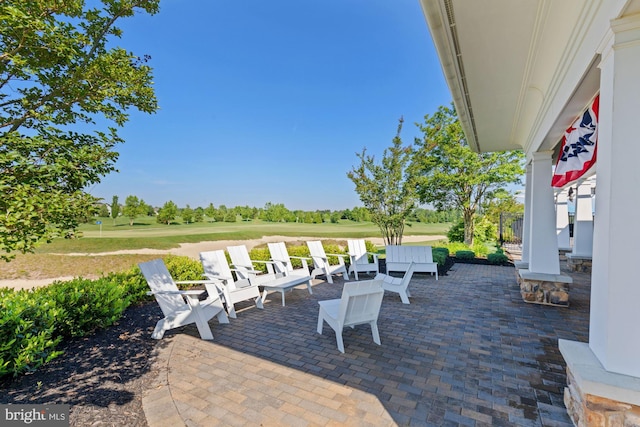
{"type": "Point", "coordinates": [270, 101]}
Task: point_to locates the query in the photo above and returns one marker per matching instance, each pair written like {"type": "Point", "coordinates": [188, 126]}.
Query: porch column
{"type": "Point", "coordinates": [526, 222]}
{"type": "Point", "coordinates": [543, 242]}
{"type": "Point", "coordinates": [583, 222]}
{"type": "Point", "coordinates": [562, 221]}
{"type": "Point", "coordinates": [614, 335]}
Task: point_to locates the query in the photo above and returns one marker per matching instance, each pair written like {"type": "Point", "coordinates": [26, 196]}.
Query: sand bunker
{"type": "Point", "coordinates": [193, 249]}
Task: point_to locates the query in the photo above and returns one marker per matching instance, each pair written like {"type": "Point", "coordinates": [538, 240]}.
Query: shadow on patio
{"type": "Point", "coordinates": [466, 351]}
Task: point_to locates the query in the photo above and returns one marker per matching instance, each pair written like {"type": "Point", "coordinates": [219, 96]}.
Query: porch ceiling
{"type": "Point", "coordinates": [504, 61]}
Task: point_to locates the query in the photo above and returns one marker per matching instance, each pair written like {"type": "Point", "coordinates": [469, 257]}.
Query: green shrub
{"type": "Point", "coordinates": [134, 283]}
{"type": "Point", "coordinates": [260, 254]}
{"type": "Point", "coordinates": [86, 305]}
{"type": "Point", "coordinates": [299, 251]}
{"type": "Point", "coordinates": [440, 256]}
{"type": "Point", "coordinates": [456, 232]}
{"type": "Point", "coordinates": [480, 249]}
{"type": "Point", "coordinates": [184, 268]}
{"type": "Point", "coordinates": [483, 231]}
{"type": "Point", "coordinates": [465, 254]}
{"type": "Point", "coordinates": [332, 248]}
{"type": "Point", "coordinates": [498, 257]}
{"type": "Point", "coordinates": [457, 246]}
{"type": "Point", "coordinates": [27, 326]}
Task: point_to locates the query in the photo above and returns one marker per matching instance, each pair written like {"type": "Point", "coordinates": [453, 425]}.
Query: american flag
{"type": "Point", "coordinates": [579, 147]}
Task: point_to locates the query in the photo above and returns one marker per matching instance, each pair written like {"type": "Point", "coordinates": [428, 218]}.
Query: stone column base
{"type": "Point", "coordinates": [595, 397]}
{"type": "Point", "coordinates": [546, 289]}
{"type": "Point", "coordinates": [579, 263]}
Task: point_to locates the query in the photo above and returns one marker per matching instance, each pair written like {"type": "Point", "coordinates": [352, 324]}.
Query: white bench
{"type": "Point", "coordinates": [400, 257]}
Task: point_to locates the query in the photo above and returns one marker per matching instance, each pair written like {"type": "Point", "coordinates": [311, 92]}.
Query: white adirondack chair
{"type": "Point", "coordinates": [181, 308]}
{"type": "Point", "coordinates": [360, 258]}
{"type": "Point", "coordinates": [360, 304]}
{"type": "Point", "coordinates": [243, 266]}
{"type": "Point", "coordinates": [291, 278]}
{"type": "Point", "coordinates": [217, 268]}
{"type": "Point", "coordinates": [282, 260]}
{"type": "Point", "coordinates": [321, 262]}
{"type": "Point", "coordinates": [399, 285]}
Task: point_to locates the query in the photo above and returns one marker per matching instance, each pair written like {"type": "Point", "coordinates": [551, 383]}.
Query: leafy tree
{"type": "Point", "coordinates": [133, 207]}
{"type": "Point", "coordinates": [59, 74]}
{"type": "Point", "coordinates": [277, 213]}
{"type": "Point", "coordinates": [230, 216]}
{"type": "Point", "coordinates": [210, 211]}
{"type": "Point", "coordinates": [103, 211]}
{"type": "Point", "coordinates": [187, 214]}
{"type": "Point", "coordinates": [387, 190]}
{"type": "Point", "coordinates": [451, 175]}
{"type": "Point", "coordinates": [167, 213]}
{"type": "Point", "coordinates": [220, 213]}
{"type": "Point", "coordinates": [500, 201]}
{"type": "Point", "coordinates": [198, 214]}
{"type": "Point", "coordinates": [115, 208]}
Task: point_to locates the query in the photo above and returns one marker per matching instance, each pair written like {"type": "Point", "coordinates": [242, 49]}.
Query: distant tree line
{"type": "Point", "coordinates": [135, 207]}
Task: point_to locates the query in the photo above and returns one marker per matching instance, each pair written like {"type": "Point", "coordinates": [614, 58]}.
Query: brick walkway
{"type": "Point", "coordinates": [466, 351]}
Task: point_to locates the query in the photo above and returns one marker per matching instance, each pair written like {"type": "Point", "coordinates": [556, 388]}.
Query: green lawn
{"type": "Point", "coordinates": [146, 233]}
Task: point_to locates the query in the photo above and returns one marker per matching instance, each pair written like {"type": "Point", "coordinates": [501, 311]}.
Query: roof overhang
{"type": "Point", "coordinates": [520, 71]}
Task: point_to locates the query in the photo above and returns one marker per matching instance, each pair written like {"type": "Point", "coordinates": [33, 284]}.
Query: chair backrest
{"type": "Point", "coordinates": [241, 261]}
{"type": "Point", "coordinates": [407, 275]}
{"type": "Point", "coordinates": [280, 255]}
{"type": "Point", "coordinates": [358, 249]}
{"type": "Point", "coordinates": [418, 254]}
{"type": "Point", "coordinates": [215, 265]}
{"type": "Point", "coordinates": [316, 251]}
{"type": "Point", "coordinates": [360, 302]}
{"type": "Point", "coordinates": [159, 279]}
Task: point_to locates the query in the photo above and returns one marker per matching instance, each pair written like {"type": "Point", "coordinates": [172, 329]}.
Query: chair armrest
{"type": "Point", "coordinates": [339, 255]}
{"type": "Point", "coordinates": [194, 282]}
{"type": "Point", "coordinates": [193, 292]}
{"type": "Point", "coordinates": [300, 257]}
{"type": "Point", "coordinates": [263, 261]}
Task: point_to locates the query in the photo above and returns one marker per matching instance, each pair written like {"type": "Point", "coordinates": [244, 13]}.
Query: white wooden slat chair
{"type": "Point", "coordinates": [291, 278]}
{"type": "Point", "coordinates": [321, 262]}
{"type": "Point", "coordinates": [359, 258]}
{"type": "Point", "coordinates": [282, 260]}
{"type": "Point", "coordinates": [243, 265]}
{"type": "Point", "coordinates": [360, 304]}
{"type": "Point", "coordinates": [181, 308]}
{"type": "Point", "coordinates": [399, 285]}
{"type": "Point", "coordinates": [217, 268]}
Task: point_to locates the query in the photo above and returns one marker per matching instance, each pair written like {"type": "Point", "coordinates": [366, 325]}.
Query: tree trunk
{"type": "Point", "coordinates": [468, 216]}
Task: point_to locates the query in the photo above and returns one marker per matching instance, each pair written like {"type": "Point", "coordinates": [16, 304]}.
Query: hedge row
{"type": "Point", "coordinates": [34, 322]}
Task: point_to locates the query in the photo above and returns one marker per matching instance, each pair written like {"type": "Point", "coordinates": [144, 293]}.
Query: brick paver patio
{"type": "Point", "coordinates": [466, 351]}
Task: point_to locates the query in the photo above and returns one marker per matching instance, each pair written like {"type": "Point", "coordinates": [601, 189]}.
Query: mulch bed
{"type": "Point", "coordinates": [102, 377]}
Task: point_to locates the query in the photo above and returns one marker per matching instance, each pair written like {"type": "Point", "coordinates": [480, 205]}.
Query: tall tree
{"type": "Point", "coordinates": [167, 213]}
{"type": "Point", "coordinates": [187, 214]}
{"type": "Point", "coordinates": [387, 190]}
{"type": "Point", "coordinates": [115, 208]}
{"type": "Point", "coordinates": [61, 72]}
{"type": "Point", "coordinates": [133, 208]}
{"type": "Point", "coordinates": [451, 175]}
